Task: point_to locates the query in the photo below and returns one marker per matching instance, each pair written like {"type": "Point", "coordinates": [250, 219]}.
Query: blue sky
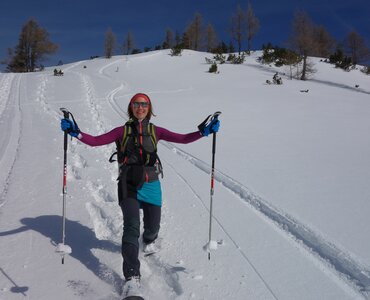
{"type": "Point", "coordinates": [78, 26]}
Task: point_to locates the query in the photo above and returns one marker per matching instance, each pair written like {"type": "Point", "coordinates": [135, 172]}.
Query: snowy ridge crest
{"type": "Point", "coordinates": [348, 268]}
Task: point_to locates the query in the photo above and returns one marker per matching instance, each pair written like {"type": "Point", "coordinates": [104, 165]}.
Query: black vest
{"type": "Point", "coordinates": [138, 145]}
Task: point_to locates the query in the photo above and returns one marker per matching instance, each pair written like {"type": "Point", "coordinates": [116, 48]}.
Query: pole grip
{"type": "Point", "coordinates": [213, 155]}
{"type": "Point", "coordinates": [66, 114]}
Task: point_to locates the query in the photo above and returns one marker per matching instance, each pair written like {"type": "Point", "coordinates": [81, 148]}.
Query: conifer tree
{"type": "Point", "coordinates": [33, 46]}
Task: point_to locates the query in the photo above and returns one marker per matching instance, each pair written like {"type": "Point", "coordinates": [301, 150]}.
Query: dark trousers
{"type": "Point", "coordinates": [131, 229]}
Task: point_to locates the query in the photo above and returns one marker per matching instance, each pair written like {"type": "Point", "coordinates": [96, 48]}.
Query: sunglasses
{"type": "Point", "coordinates": [138, 104]}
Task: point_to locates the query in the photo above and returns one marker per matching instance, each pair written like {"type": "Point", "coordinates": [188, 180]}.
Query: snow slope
{"type": "Point", "coordinates": [291, 209]}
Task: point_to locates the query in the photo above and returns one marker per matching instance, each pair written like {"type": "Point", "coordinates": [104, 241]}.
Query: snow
{"type": "Point", "coordinates": [291, 202]}
{"type": "Point", "coordinates": [210, 246]}
{"type": "Point", "coordinates": [63, 249]}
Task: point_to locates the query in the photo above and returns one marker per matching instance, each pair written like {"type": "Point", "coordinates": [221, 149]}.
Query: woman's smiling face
{"type": "Point", "coordinates": [140, 108]}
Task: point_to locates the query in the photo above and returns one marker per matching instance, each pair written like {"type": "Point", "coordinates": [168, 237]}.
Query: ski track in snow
{"type": "Point", "coordinates": [105, 226]}
{"type": "Point", "coordinates": [329, 254]}
{"type": "Point", "coordinates": [237, 246]}
{"type": "Point", "coordinates": [102, 210]}
{"type": "Point", "coordinates": [5, 87]}
{"type": "Point", "coordinates": [102, 69]}
{"type": "Point", "coordinates": [102, 72]}
{"type": "Point", "coordinates": [72, 66]}
{"type": "Point", "coordinates": [10, 123]}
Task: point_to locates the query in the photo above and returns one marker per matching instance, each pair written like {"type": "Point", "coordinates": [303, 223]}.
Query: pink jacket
{"type": "Point", "coordinates": [117, 133]}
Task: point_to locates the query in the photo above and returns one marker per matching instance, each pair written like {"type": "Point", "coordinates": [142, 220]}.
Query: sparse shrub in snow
{"type": "Point", "coordinates": [213, 68]}
{"type": "Point", "coordinates": [209, 61]}
{"type": "Point", "coordinates": [277, 79]}
{"type": "Point", "coordinates": [366, 70]}
{"type": "Point", "coordinates": [221, 48]}
{"type": "Point", "coordinates": [176, 51]}
{"type": "Point", "coordinates": [279, 56]}
{"type": "Point", "coordinates": [236, 59]}
{"type": "Point", "coordinates": [285, 57]}
{"type": "Point", "coordinates": [340, 60]}
{"type": "Point", "coordinates": [220, 58]}
{"type": "Point", "coordinates": [136, 51]}
{"type": "Point", "coordinates": [231, 57]}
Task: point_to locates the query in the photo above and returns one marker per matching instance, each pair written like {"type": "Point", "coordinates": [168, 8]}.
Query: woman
{"type": "Point", "coordinates": [138, 183]}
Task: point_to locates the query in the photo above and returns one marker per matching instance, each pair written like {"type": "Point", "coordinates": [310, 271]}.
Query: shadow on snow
{"type": "Point", "coordinates": [81, 239]}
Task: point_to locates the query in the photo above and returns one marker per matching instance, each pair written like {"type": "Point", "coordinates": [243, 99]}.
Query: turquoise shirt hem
{"type": "Point", "coordinates": [151, 192]}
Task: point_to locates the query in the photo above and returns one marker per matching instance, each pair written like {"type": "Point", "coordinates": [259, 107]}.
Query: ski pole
{"type": "Point", "coordinates": [62, 248]}
{"type": "Point", "coordinates": [66, 115]}
{"type": "Point", "coordinates": [212, 190]}
{"type": "Point", "coordinates": [211, 244]}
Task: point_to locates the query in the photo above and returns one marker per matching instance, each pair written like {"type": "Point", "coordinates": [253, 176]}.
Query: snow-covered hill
{"type": "Point", "coordinates": [291, 203]}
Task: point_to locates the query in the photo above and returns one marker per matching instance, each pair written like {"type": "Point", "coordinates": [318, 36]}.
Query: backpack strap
{"type": "Point", "coordinates": [130, 131]}
{"type": "Point", "coordinates": [127, 133]}
{"type": "Point", "coordinates": [120, 146]}
{"type": "Point", "coordinates": [153, 137]}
